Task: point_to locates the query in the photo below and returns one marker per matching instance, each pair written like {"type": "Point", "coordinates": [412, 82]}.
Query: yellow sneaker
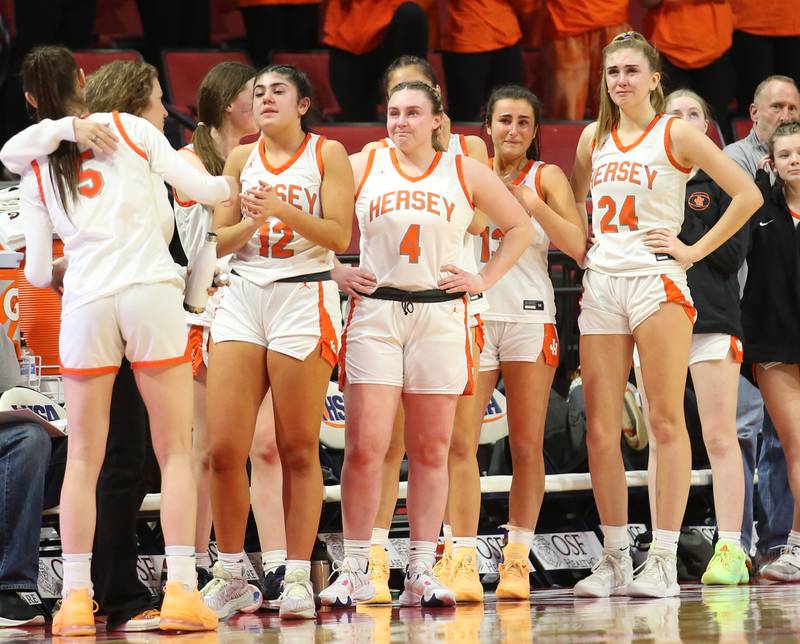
{"type": "Point", "coordinates": [184, 610]}
{"type": "Point", "coordinates": [464, 579]}
{"type": "Point", "coordinates": [442, 568]}
{"type": "Point", "coordinates": [76, 614]}
{"type": "Point", "coordinates": [516, 622]}
{"type": "Point", "coordinates": [379, 576]}
{"type": "Point", "coordinates": [514, 580]}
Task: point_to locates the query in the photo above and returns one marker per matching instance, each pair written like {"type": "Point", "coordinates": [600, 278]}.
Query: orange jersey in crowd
{"type": "Point", "coordinates": [573, 17]}
{"type": "Point", "coordinates": [691, 34]}
{"type": "Point", "coordinates": [255, 3]}
{"type": "Point", "coordinates": [358, 25]}
{"type": "Point", "coordinates": [767, 17]}
{"type": "Point", "coordinates": [472, 26]}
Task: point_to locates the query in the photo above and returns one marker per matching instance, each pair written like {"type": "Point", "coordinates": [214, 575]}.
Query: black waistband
{"type": "Point", "coordinates": [322, 276]}
{"type": "Point", "coordinates": [399, 295]}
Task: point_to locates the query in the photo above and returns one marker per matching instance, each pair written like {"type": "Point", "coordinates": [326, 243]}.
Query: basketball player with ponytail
{"type": "Point", "coordinates": [636, 161]}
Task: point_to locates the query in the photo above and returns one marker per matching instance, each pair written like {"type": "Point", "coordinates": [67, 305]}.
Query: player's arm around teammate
{"type": "Point", "coordinates": [278, 323]}
{"type": "Point", "coordinates": [638, 258]}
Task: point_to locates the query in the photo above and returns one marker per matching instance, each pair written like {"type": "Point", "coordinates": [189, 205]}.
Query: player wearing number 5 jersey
{"type": "Point", "coordinates": [636, 162]}
{"type": "Point", "coordinates": [409, 337]}
{"type": "Point", "coordinates": [122, 296]}
{"type": "Point", "coordinates": [277, 326]}
{"type": "Point", "coordinates": [521, 339]}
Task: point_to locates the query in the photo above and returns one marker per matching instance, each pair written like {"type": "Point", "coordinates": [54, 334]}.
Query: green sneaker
{"type": "Point", "coordinates": [728, 566]}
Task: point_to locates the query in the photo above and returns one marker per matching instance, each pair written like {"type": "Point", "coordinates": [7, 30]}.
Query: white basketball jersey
{"type": "Point", "coordinates": [275, 251]}
{"type": "Point", "coordinates": [412, 226]}
{"type": "Point", "coordinates": [525, 292]}
{"type": "Point", "coordinates": [193, 221]}
{"type": "Point", "coordinates": [635, 188]}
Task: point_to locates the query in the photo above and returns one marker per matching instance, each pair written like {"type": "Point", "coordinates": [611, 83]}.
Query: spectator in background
{"type": "Point", "coordinates": [481, 44]}
{"type": "Point", "coordinates": [766, 41]}
{"type": "Point", "coordinates": [174, 24]}
{"type": "Point", "coordinates": [575, 33]}
{"type": "Point", "coordinates": [694, 38]}
{"type": "Point", "coordinates": [364, 37]}
{"type": "Point", "coordinates": [275, 25]}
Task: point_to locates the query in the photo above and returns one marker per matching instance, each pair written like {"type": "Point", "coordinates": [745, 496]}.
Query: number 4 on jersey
{"type": "Point", "coordinates": [409, 245]}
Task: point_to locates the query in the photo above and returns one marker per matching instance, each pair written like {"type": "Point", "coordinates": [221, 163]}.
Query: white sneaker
{"type": "Point", "coordinates": [297, 598]}
{"type": "Point", "coordinates": [226, 594]}
{"type": "Point", "coordinates": [786, 567]}
{"type": "Point", "coordinates": [351, 586]}
{"type": "Point", "coordinates": [422, 588]}
{"type": "Point", "coordinates": [656, 577]}
{"type": "Point", "coordinates": [610, 576]}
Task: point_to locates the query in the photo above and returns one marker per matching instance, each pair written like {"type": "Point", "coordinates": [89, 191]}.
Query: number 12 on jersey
{"type": "Point", "coordinates": [278, 250]}
{"type": "Point", "coordinates": [627, 214]}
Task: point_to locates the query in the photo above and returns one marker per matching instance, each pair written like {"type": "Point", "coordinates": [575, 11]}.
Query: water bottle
{"type": "Point", "coordinates": [27, 363]}
{"type": "Point", "coordinates": [202, 276]}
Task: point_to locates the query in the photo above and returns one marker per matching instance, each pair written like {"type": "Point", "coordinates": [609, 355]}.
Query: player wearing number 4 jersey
{"type": "Point", "coordinates": [636, 162]}
{"type": "Point", "coordinates": [521, 340]}
{"type": "Point", "coordinates": [409, 337]}
{"type": "Point", "coordinates": [278, 324]}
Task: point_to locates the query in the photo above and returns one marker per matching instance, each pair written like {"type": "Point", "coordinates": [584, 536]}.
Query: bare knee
{"type": "Point", "coordinates": [429, 455]}
{"type": "Point", "coordinates": [266, 455]}
{"type": "Point", "coordinates": [602, 439]}
{"type": "Point", "coordinates": [527, 454]}
{"type": "Point", "coordinates": [666, 427]}
{"type": "Point", "coordinates": [226, 459]}
{"type": "Point", "coordinates": [300, 455]}
{"type": "Point", "coordinates": [463, 448]}
{"type": "Point", "coordinates": [720, 443]}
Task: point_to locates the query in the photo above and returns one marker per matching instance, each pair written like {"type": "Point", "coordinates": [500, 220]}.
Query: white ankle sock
{"type": "Point", "coordinates": [519, 535]}
{"type": "Point", "coordinates": [734, 537]}
{"type": "Point", "coordinates": [615, 539]}
{"type": "Point", "coordinates": [793, 539]}
{"type": "Point", "coordinates": [271, 560]}
{"type": "Point", "coordinates": [421, 553]}
{"type": "Point", "coordinates": [380, 537]}
{"type": "Point", "coordinates": [296, 564]}
{"type": "Point", "coordinates": [77, 573]}
{"type": "Point", "coordinates": [465, 542]}
{"type": "Point", "coordinates": [181, 565]}
{"type": "Point", "coordinates": [665, 541]}
{"type": "Point", "coordinates": [233, 563]}
{"type": "Point", "coordinates": [203, 560]}
{"type": "Point", "coordinates": [447, 532]}
{"type": "Point", "coordinates": [358, 552]}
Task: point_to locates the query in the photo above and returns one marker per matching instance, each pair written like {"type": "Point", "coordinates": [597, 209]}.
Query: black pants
{"type": "Point", "coordinates": [757, 57]}
{"type": "Point", "coordinates": [355, 78]}
{"type": "Point", "coordinates": [713, 82]}
{"type": "Point", "coordinates": [280, 27]}
{"type": "Point", "coordinates": [42, 22]}
{"type": "Point", "coordinates": [174, 24]}
{"type": "Point", "coordinates": [471, 77]}
{"type": "Point", "coordinates": [120, 490]}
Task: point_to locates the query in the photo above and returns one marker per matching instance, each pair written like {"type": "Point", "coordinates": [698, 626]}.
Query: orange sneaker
{"type": "Point", "coordinates": [442, 570]}
{"type": "Point", "coordinates": [184, 610]}
{"type": "Point", "coordinates": [514, 580]}
{"type": "Point", "coordinates": [76, 614]}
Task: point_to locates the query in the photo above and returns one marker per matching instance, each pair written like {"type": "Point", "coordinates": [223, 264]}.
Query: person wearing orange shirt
{"type": "Point", "coordinates": [766, 42]}
{"type": "Point", "coordinates": [364, 37]}
{"type": "Point", "coordinates": [481, 44]}
{"type": "Point", "coordinates": [275, 25]}
{"type": "Point", "coordinates": [574, 36]}
{"type": "Point", "coordinates": [693, 38]}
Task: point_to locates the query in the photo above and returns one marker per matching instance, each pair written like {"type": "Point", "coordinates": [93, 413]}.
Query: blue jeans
{"type": "Point", "coordinates": [777, 502]}
{"type": "Point", "coordinates": [749, 419]}
{"type": "Point", "coordinates": [24, 456]}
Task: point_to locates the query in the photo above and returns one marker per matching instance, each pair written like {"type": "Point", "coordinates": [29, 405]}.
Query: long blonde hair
{"type": "Point", "coordinates": [608, 116]}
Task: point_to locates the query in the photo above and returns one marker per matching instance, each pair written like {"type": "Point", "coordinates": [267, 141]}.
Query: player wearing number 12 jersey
{"type": "Point", "coordinates": [636, 162]}
{"type": "Point", "coordinates": [278, 324]}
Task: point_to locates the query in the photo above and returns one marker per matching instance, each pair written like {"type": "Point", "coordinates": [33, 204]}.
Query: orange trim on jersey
{"type": "Point", "coordinates": [318, 154]}
{"type": "Point", "coordinates": [343, 351]}
{"type": "Point", "coordinates": [94, 371]}
{"type": "Point", "coordinates": [146, 364]}
{"type": "Point", "coordinates": [480, 333]}
{"type": "Point", "coordinates": [537, 181]}
{"type": "Point", "coordinates": [469, 389]}
{"type": "Point", "coordinates": [462, 181]}
{"type": "Point", "coordinates": [367, 170]}
{"type": "Point", "coordinates": [674, 294]}
{"type": "Point", "coordinates": [522, 173]}
{"type": "Point", "coordinates": [424, 175]}
{"type": "Point", "coordinates": [37, 171]}
{"type": "Point", "coordinates": [262, 150]}
{"type": "Point", "coordinates": [196, 348]}
{"type": "Point", "coordinates": [668, 148]}
{"type": "Point", "coordinates": [384, 143]}
{"type": "Point", "coordinates": [185, 204]}
{"type": "Point", "coordinates": [463, 142]}
{"type": "Point", "coordinates": [737, 349]}
{"type": "Point", "coordinates": [551, 348]}
{"type": "Point", "coordinates": [131, 144]}
{"type": "Point", "coordinates": [328, 344]}
{"type": "Point", "coordinates": [794, 214]}
{"type": "Point", "coordinates": [642, 136]}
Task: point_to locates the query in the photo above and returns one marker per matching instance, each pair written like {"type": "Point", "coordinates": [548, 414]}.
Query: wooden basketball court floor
{"type": "Point", "coordinates": [755, 613]}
